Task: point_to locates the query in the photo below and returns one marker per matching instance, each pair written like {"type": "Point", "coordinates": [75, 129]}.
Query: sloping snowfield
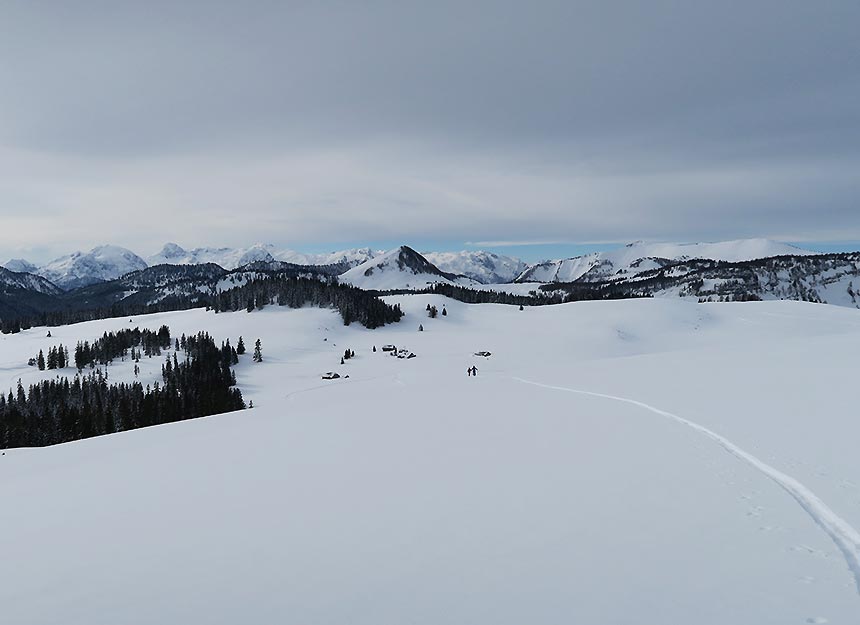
{"type": "Point", "coordinates": [627, 462]}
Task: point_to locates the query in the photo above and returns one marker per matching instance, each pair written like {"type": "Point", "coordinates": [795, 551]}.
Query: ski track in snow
{"type": "Point", "coordinates": [846, 538]}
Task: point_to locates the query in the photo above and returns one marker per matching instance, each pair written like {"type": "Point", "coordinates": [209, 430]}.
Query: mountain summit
{"type": "Point", "coordinates": [401, 268]}
{"type": "Point", "coordinates": [100, 264]}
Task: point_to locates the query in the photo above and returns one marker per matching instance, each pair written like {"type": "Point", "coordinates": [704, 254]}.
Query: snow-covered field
{"type": "Point", "coordinates": [619, 462]}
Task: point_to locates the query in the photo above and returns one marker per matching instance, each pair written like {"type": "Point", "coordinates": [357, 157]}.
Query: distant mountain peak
{"type": "Point", "coordinates": [19, 265]}
{"type": "Point", "coordinates": [102, 263]}
{"type": "Point", "coordinates": [172, 250]}
{"type": "Point", "coordinates": [400, 268]}
{"type": "Point", "coordinates": [640, 256]}
{"type": "Point", "coordinates": [480, 266]}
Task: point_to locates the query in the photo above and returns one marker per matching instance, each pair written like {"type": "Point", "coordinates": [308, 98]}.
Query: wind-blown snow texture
{"type": "Point", "coordinates": [413, 493]}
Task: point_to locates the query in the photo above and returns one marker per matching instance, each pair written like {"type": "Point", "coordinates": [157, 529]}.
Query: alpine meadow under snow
{"type": "Point", "coordinates": [430, 313]}
{"type": "Point", "coordinates": [648, 460]}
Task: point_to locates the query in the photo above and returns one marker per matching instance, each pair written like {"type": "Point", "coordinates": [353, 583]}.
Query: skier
{"type": "Point", "coordinates": [475, 371]}
{"type": "Point", "coordinates": [469, 372]}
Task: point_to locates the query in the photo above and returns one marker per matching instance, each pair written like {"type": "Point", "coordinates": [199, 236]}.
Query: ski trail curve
{"type": "Point", "coordinates": [846, 538]}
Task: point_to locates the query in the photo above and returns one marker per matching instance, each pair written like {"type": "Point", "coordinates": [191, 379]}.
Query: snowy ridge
{"type": "Point", "coordinates": [401, 268]}
{"type": "Point", "coordinates": [233, 258]}
{"type": "Point", "coordinates": [637, 257]}
{"type": "Point", "coordinates": [228, 258]}
{"type": "Point", "coordinates": [846, 538]}
{"type": "Point", "coordinates": [27, 281]}
{"type": "Point", "coordinates": [350, 258]}
{"type": "Point", "coordinates": [483, 267]}
{"type": "Point", "coordinates": [19, 265]}
{"type": "Point", "coordinates": [103, 263]}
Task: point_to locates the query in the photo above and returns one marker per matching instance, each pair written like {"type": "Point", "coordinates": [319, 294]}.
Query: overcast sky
{"type": "Point", "coordinates": [320, 124]}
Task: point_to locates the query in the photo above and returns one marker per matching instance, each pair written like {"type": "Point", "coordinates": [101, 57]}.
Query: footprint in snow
{"type": "Point", "coordinates": [811, 551]}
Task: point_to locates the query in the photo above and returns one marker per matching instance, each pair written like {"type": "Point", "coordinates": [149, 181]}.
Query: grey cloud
{"type": "Point", "coordinates": [386, 120]}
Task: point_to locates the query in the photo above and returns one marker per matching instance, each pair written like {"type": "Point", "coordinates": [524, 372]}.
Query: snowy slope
{"type": "Point", "coordinates": [102, 263]}
{"type": "Point", "coordinates": [637, 257]}
{"type": "Point", "coordinates": [483, 267]}
{"type": "Point", "coordinates": [26, 281]}
{"type": "Point", "coordinates": [589, 474]}
{"type": "Point", "coordinates": [401, 268]}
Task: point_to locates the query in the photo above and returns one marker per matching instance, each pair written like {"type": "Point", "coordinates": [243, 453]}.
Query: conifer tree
{"type": "Point", "coordinates": [240, 347]}
{"type": "Point", "coordinates": [258, 351]}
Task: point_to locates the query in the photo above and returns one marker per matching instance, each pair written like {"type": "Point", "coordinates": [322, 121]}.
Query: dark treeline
{"type": "Point", "coordinates": [543, 297]}
{"type": "Point", "coordinates": [58, 358]}
{"type": "Point", "coordinates": [55, 318]}
{"type": "Point", "coordinates": [118, 344]}
{"type": "Point", "coordinates": [352, 303]}
{"type": "Point", "coordinates": [60, 410]}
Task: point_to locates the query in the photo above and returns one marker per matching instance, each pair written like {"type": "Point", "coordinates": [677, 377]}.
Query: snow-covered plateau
{"type": "Point", "coordinates": [619, 462]}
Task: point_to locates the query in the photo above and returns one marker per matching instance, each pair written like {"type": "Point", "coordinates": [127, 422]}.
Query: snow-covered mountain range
{"type": "Point", "coordinates": [100, 264]}
{"type": "Point", "coordinates": [10, 280]}
{"type": "Point", "coordinates": [232, 258]}
{"type": "Point", "coordinates": [483, 267]}
{"type": "Point", "coordinates": [403, 267]}
{"type": "Point", "coordinates": [638, 257]}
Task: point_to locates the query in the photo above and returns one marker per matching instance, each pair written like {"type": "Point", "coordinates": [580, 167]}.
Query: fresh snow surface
{"type": "Point", "coordinates": [636, 257]}
{"type": "Point", "coordinates": [625, 462]}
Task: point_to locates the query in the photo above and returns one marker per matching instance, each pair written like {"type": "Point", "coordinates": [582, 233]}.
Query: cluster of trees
{"type": "Point", "coordinates": [433, 312]}
{"type": "Point", "coordinates": [475, 296]}
{"type": "Point", "coordinates": [62, 410]}
{"type": "Point", "coordinates": [118, 344]}
{"type": "Point", "coordinates": [353, 304]}
{"type": "Point", "coordinates": [79, 312]}
{"type": "Point", "coordinates": [58, 358]}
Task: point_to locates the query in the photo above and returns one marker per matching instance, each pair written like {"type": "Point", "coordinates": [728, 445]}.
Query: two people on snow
{"type": "Point", "coordinates": [472, 371]}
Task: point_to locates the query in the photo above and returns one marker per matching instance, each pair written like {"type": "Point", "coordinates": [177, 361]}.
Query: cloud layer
{"type": "Point", "coordinates": [306, 122]}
